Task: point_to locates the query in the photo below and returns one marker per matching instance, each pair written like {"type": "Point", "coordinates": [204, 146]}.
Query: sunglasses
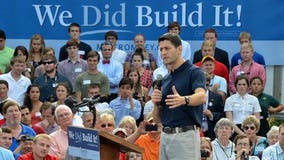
{"type": "Point", "coordinates": [47, 62]}
{"type": "Point", "coordinates": [249, 127]}
{"type": "Point", "coordinates": [108, 124]}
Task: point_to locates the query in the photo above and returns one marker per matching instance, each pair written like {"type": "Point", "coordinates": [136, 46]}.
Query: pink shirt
{"type": "Point", "coordinates": [59, 143]}
{"type": "Point", "coordinates": [253, 70]}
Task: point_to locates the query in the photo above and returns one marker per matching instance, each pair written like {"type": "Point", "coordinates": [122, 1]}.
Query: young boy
{"type": "Point", "coordinates": [125, 104]}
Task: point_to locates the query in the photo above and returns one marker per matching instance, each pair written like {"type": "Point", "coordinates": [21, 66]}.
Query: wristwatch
{"type": "Point", "coordinates": [187, 100]}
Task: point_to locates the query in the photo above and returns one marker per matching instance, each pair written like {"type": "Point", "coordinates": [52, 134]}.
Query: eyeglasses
{"type": "Point", "coordinates": [47, 62]}
{"type": "Point", "coordinates": [107, 125]}
{"type": "Point", "coordinates": [242, 144]}
{"type": "Point", "coordinates": [249, 127]}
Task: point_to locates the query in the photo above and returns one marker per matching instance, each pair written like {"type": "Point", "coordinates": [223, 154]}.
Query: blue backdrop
{"type": "Point", "coordinates": [263, 19]}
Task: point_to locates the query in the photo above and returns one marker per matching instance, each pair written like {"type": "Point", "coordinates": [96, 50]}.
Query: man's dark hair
{"type": "Point", "coordinates": [126, 81]}
{"type": "Point", "coordinates": [92, 54]}
{"type": "Point", "coordinates": [173, 25]}
{"type": "Point", "coordinates": [210, 30]}
{"type": "Point", "coordinates": [173, 38]}
{"type": "Point", "coordinates": [74, 24]}
{"type": "Point", "coordinates": [2, 34]}
{"type": "Point", "coordinates": [111, 33]}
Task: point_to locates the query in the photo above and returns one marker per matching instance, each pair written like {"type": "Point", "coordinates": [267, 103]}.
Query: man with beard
{"type": "Point", "coordinates": [50, 79]}
{"type": "Point", "coordinates": [41, 146]}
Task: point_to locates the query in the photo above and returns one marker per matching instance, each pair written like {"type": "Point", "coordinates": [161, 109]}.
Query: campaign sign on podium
{"type": "Point", "coordinates": [83, 143]}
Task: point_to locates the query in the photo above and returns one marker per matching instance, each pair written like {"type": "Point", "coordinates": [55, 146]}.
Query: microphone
{"type": "Point", "coordinates": [94, 100]}
{"type": "Point", "coordinates": [244, 156]}
{"type": "Point", "coordinates": [159, 81]}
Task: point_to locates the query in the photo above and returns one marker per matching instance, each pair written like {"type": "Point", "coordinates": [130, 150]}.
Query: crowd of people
{"type": "Point", "coordinates": [163, 104]}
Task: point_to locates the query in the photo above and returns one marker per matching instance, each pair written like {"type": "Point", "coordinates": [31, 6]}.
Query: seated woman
{"type": "Point", "coordinates": [107, 123]}
{"type": "Point", "coordinates": [223, 148]}
{"type": "Point", "coordinates": [129, 124]}
{"type": "Point", "coordinates": [206, 148]}
{"type": "Point", "coordinates": [273, 135]}
{"type": "Point", "coordinates": [251, 126]}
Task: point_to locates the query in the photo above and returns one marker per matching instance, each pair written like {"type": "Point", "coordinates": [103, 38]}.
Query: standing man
{"type": "Point", "coordinates": [178, 105]}
{"type": "Point", "coordinates": [50, 79]}
{"type": "Point", "coordinates": [73, 65]}
{"type": "Point", "coordinates": [219, 54]}
{"type": "Point", "coordinates": [111, 68]}
{"type": "Point", "coordinates": [248, 67]}
{"type": "Point", "coordinates": [92, 75]}
{"type": "Point", "coordinates": [6, 53]}
{"type": "Point", "coordinates": [74, 31]}
{"type": "Point", "coordinates": [18, 83]}
{"type": "Point", "coordinates": [119, 55]}
{"type": "Point", "coordinates": [245, 37]}
{"type": "Point", "coordinates": [175, 28]}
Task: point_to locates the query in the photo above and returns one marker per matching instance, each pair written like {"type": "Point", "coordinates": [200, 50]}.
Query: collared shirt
{"type": "Point", "coordinates": [253, 70]}
{"type": "Point", "coordinates": [237, 59]}
{"type": "Point", "coordinates": [221, 81]}
{"type": "Point", "coordinates": [114, 72]}
{"type": "Point", "coordinates": [118, 55]}
{"type": "Point", "coordinates": [121, 107]}
{"type": "Point", "coordinates": [6, 154]}
{"type": "Point", "coordinates": [26, 130]}
{"type": "Point", "coordinates": [221, 152]}
{"type": "Point", "coordinates": [186, 79]}
{"type": "Point", "coordinates": [17, 89]}
{"type": "Point", "coordinates": [71, 70]}
{"type": "Point", "coordinates": [241, 106]}
{"type": "Point", "coordinates": [59, 143]}
{"type": "Point", "coordinates": [273, 152]}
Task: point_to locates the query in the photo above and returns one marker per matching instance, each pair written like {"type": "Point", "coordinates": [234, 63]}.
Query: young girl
{"type": "Point", "coordinates": [37, 46]}
{"type": "Point", "coordinates": [145, 75]}
{"type": "Point", "coordinates": [62, 92]}
{"type": "Point", "coordinates": [139, 91]}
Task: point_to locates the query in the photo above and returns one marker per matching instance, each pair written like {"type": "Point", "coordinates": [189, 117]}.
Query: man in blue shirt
{"type": "Point", "coordinates": [50, 79]}
{"type": "Point", "coordinates": [111, 68]}
{"type": "Point", "coordinates": [12, 114]}
{"type": "Point", "coordinates": [178, 104]}
{"type": "Point", "coordinates": [125, 104]}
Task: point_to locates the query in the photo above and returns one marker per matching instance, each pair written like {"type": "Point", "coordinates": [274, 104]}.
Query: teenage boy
{"type": "Point", "coordinates": [125, 104]}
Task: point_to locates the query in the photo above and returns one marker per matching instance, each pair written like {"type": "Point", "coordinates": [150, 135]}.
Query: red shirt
{"type": "Point", "coordinates": [29, 156]}
{"type": "Point", "coordinates": [220, 69]}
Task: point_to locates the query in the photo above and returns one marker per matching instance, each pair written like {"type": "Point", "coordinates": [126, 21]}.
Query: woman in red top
{"type": "Point", "coordinates": [33, 102]}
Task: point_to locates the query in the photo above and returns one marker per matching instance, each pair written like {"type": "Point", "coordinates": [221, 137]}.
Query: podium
{"type": "Point", "coordinates": [111, 145]}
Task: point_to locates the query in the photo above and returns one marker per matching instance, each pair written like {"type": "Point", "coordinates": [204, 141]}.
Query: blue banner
{"type": "Point", "coordinates": [22, 19]}
{"type": "Point", "coordinates": [83, 143]}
